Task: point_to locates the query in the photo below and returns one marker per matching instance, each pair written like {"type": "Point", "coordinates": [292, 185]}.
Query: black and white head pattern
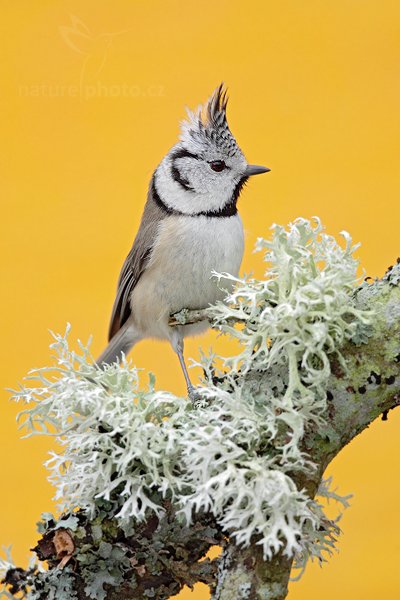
{"type": "Point", "coordinates": [208, 127]}
{"type": "Point", "coordinates": [204, 172]}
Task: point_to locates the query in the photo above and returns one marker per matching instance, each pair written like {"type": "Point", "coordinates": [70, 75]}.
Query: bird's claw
{"type": "Point", "coordinates": [194, 396]}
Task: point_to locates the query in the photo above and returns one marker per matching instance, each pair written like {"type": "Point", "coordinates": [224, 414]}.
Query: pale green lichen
{"type": "Point", "coordinates": [234, 453]}
{"type": "Point", "coordinates": [6, 565]}
{"type": "Point", "coordinates": [36, 583]}
{"type": "Point", "coordinates": [271, 590]}
{"type": "Point", "coordinates": [244, 590]}
{"type": "Point", "coordinates": [54, 585]}
{"type": "Point", "coordinates": [181, 316]}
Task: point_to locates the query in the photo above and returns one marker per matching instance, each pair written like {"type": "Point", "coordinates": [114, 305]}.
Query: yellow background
{"type": "Point", "coordinates": [315, 95]}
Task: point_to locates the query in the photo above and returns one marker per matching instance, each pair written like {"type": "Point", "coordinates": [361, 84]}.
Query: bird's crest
{"type": "Point", "coordinates": [208, 126]}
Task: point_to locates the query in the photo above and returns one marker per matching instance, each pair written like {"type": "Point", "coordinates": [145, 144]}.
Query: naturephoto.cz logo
{"type": "Point", "coordinates": [95, 50]}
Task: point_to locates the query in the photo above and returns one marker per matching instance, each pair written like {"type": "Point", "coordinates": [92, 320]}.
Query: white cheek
{"type": "Point", "coordinates": [213, 196]}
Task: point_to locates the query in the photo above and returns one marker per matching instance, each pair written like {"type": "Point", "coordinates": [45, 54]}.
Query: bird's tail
{"type": "Point", "coordinates": [122, 341]}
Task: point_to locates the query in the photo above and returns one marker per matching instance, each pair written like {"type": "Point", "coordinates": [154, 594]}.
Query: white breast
{"type": "Point", "coordinates": [179, 273]}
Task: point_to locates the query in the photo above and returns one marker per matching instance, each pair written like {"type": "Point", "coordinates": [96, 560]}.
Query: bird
{"type": "Point", "coordinates": [190, 229]}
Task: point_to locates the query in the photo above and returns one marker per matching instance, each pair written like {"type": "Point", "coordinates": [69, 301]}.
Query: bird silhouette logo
{"type": "Point", "coordinates": [93, 47]}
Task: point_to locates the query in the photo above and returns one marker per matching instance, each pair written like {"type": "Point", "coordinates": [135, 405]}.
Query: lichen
{"type": "Point", "coordinates": [232, 454]}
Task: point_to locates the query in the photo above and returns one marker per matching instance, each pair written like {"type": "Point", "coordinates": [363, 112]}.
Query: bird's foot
{"type": "Point", "coordinates": [196, 397]}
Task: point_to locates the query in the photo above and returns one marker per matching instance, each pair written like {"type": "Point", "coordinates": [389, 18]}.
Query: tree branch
{"type": "Point", "coordinates": [245, 574]}
{"type": "Point", "coordinates": [369, 388]}
{"type": "Point", "coordinates": [163, 554]}
{"type": "Point", "coordinates": [186, 316]}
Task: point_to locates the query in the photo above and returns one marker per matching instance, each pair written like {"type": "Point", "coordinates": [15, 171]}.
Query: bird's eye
{"type": "Point", "coordinates": [217, 165]}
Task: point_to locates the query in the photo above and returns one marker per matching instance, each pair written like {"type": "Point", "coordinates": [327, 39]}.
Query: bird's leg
{"type": "Point", "coordinates": [190, 387]}
{"type": "Point", "coordinates": [177, 344]}
{"type": "Point", "coordinates": [176, 340]}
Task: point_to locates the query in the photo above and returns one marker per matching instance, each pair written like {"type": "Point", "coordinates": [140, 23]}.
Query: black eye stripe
{"type": "Point", "coordinates": [182, 153]}
{"type": "Point", "coordinates": [176, 175]}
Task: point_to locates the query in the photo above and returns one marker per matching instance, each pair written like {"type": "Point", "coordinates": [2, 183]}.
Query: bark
{"type": "Point", "coordinates": [244, 574]}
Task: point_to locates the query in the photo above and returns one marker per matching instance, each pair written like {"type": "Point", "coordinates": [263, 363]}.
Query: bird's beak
{"type": "Point", "coordinates": [255, 170]}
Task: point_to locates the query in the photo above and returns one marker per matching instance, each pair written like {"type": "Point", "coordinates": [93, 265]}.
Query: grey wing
{"type": "Point", "coordinates": [135, 263]}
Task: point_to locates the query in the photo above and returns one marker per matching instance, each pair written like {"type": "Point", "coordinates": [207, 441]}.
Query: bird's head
{"type": "Point", "coordinates": [206, 170]}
